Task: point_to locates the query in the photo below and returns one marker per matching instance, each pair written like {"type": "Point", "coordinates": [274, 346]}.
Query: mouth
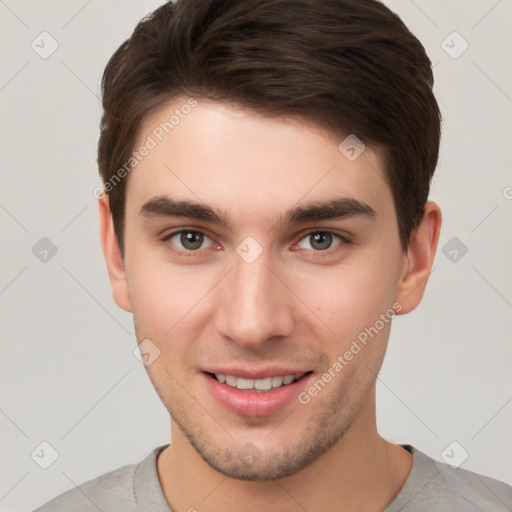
{"type": "Point", "coordinates": [257, 385]}
{"type": "Point", "coordinates": [256, 395]}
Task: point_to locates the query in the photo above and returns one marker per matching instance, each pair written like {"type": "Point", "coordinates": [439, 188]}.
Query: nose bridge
{"type": "Point", "coordinates": [255, 306]}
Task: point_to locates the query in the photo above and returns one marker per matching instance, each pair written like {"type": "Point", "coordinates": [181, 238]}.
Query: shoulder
{"type": "Point", "coordinates": [98, 494]}
{"type": "Point", "coordinates": [112, 491]}
{"type": "Point", "coordinates": [433, 485]}
{"type": "Point", "coordinates": [478, 492]}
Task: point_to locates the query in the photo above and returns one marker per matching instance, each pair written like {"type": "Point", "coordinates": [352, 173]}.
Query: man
{"type": "Point", "coordinates": [267, 167]}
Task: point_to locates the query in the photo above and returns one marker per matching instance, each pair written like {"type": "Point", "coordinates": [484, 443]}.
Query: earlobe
{"type": "Point", "coordinates": [112, 254]}
{"type": "Point", "coordinates": [419, 259]}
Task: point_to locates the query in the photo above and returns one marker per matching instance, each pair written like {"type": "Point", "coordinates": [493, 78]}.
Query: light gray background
{"type": "Point", "coordinates": [68, 373]}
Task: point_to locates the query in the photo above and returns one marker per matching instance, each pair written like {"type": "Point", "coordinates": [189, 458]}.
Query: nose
{"type": "Point", "coordinates": [254, 304]}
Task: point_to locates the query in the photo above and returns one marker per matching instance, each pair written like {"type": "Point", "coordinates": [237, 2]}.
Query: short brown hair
{"type": "Point", "coordinates": [350, 66]}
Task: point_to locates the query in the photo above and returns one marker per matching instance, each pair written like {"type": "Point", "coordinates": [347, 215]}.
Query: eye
{"type": "Point", "coordinates": [320, 241]}
{"type": "Point", "coordinates": [189, 240]}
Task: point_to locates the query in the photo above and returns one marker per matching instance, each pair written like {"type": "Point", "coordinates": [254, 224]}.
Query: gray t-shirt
{"type": "Point", "coordinates": [431, 487]}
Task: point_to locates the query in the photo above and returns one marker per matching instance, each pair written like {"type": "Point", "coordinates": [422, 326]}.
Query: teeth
{"type": "Point", "coordinates": [263, 384]}
{"type": "Point", "coordinates": [288, 379]}
{"type": "Point", "coordinates": [258, 384]}
{"type": "Point", "coordinates": [277, 382]}
{"type": "Point", "coordinates": [231, 381]}
{"type": "Point", "coordinates": [244, 383]}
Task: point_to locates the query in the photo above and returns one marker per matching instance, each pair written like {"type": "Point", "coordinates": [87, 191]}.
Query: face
{"type": "Point", "coordinates": [257, 253]}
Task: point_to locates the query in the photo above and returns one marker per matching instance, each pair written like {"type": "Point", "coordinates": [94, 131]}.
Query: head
{"type": "Point", "coordinates": [267, 168]}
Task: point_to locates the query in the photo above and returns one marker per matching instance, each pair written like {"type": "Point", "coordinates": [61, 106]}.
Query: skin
{"type": "Point", "coordinates": [294, 305]}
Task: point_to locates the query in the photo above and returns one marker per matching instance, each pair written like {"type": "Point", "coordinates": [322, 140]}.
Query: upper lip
{"type": "Point", "coordinates": [256, 373]}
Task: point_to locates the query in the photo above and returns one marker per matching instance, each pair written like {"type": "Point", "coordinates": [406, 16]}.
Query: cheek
{"type": "Point", "coordinates": [349, 298]}
{"type": "Point", "coordinates": [160, 296]}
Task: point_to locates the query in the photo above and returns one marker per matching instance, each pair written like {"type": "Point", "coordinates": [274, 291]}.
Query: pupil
{"type": "Point", "coordinates": [321, 241]}
{"type": "Point", "coordinates": [191, 240]}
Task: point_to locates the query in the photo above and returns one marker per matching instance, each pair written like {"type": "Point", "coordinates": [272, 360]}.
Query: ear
{"type": "Point", "coordinates": [419, 259]}
{"type": "Point", "coordinates": [112, 253]}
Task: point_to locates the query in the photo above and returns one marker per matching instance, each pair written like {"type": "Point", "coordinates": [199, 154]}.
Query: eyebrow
{"type": "Point", "coordinates": [337, 208]}
{"type": "Point", "coordinates": [163, 206]}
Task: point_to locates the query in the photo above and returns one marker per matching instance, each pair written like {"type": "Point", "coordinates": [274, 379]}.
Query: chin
{"type": "Point", "coordinates": [261, 459]}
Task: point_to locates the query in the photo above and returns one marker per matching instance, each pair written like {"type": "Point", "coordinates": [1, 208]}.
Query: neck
{"type": "Point", "coordinates": [361, 471]}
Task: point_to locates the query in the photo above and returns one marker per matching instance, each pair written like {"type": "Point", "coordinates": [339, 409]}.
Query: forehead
{"type": "Point", "coordinates": [248, 164]}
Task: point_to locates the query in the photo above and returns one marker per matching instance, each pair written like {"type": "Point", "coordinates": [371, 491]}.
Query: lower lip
{"type": "Point", "coordinates": [254, 403]}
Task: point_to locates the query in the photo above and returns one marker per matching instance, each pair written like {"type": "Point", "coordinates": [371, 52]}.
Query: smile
{"type": "Point", "coordinates": [265, 384]}
{"type": "Point", "coordinates": [254, 394]}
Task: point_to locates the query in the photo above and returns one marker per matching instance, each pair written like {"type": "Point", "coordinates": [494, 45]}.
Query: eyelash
{"type": "Point", "coordinates": [328, 252]}
{"type": "Point", "coordinates": [181, 252]}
